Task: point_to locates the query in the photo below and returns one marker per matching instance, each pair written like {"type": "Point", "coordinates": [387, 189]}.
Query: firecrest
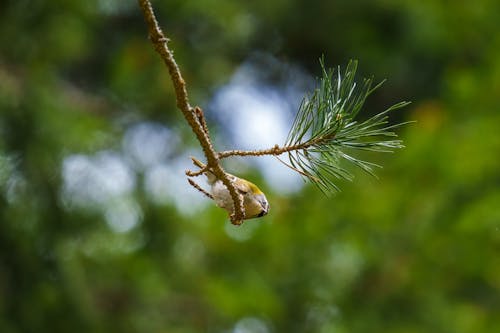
{"type": "Point", "coordinates": [254, 201]}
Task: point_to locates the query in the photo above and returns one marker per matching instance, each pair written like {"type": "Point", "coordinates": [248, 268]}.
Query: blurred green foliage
{"type": "Point", "coordinates": [416, 251]}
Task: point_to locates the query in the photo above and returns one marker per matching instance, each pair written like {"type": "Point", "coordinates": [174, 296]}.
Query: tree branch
{"type": "Point", "coordinates": [326, 117]}
{"type": "Point", "coordinates": [276, 150]}
{"type": "Point", "coordinates": [199, 188]}
{"type": "Point", "coordinates": [194, 116]}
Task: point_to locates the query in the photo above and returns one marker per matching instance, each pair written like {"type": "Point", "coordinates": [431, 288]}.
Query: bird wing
{"type": "Point", "coordinates": [241, 186]}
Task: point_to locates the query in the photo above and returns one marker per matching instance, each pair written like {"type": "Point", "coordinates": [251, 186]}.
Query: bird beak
{"type": "Point", "coordinates": [262, 213]}
{"type": "Point", "coordinates": [265, 206]}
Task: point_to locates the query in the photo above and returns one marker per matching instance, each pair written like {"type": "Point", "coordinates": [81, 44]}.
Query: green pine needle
{"type": "Point", "coordinates": [325, 129]}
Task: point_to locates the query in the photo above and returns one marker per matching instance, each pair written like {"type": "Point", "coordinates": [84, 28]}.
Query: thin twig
{"type": "Point", "coordinates": [190, 173]}
{"type": "Point", "coordinates": [201, 118]}
{"type": "Point", "coordinates": [194, 116]}
{"type": "Point", "coordinates": [199, 188]}
{"type": "Point", "coordinates": [276, 150]}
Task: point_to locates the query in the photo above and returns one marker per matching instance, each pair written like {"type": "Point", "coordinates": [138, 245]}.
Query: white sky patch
{"type": "Point", "coordinates": [95, 180]}
{"type": "Point", "coordinates": [148, 144]}
{"type": "Point", "coordinates": [168, 183]}
{"type": "Point", "coordinates": [123, 215]}
{"type": "Point", "coordinates": [104, 182]}
{"type": "Point", "coordinates": [251, 325]}
{"type": "Point", "coordinates": [258, 116]}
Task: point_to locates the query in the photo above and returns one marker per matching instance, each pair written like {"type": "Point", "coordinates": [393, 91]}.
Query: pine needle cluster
{"type": "Point", "coordinates": [326, 132]}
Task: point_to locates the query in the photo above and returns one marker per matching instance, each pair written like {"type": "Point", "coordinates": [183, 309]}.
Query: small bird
{"type": "Point", "coordinates": [254, 201]}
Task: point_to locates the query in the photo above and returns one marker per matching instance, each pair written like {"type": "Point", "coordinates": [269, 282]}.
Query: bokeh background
{"type": "Point", "coordinates": [100, 232]}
